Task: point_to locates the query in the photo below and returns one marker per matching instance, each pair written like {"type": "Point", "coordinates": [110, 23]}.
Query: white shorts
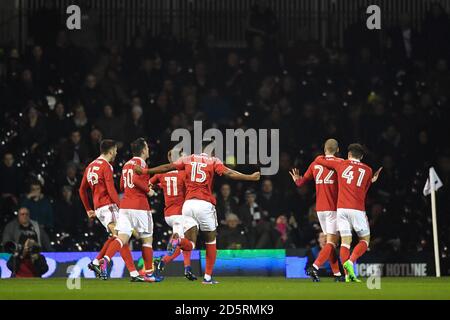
{"type": "Point", "coordinates": [350, 219]}
{"type": "Point", "coordinates": [107, 214]}
{"type": "Point", "coordinates": [328, 222]}
{"type": "Point", "coordinates": [203, 212]}
{"type": "Point", "coordinates": [139, 220]}
{"type": "Point", "coordinates": [180, 224]}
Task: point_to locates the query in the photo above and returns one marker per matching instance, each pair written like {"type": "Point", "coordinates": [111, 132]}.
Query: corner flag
{"type": "Point", "coordinates": [432, 185]}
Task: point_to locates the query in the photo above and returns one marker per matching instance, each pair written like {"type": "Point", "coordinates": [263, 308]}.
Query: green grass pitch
{"type": "Point", "coordinates": [258, 288]}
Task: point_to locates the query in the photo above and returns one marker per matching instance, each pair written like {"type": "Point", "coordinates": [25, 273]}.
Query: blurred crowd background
{"type": "Point", "coordinates": [387, 89]}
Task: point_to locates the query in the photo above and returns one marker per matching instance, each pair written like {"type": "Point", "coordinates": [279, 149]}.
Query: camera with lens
{"type": "Point", "coordinates": [17, 248]}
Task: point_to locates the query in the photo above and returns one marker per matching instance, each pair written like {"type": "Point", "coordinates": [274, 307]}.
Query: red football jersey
{"type": "Point", "coordinates": [172, 184]}
{"type": "Point", "coordinates": [326, 184]}
{"type": "Point", "coordinates": [135, 187]}
{"type": "Point", "coordinates": [98, 176]}
{"type": "Point", "coordinates": [200, 170]}
{"type": "Point", "coordinates": [354, 179]}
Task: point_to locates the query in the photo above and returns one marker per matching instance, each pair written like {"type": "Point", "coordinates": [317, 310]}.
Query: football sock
{"type": "Point", "coordinates": [104, 248]}
{"type": "Point", "coordinates": [344, 253]}
{"type": "Point", "coordinates": [147, 255]}
{"type": "Point", "coordinates": [187, 258]}
{"type": "Point", "coordinates": [113, 247]}
{"type": "Point", "coordinates": [359, 250]}
{"type": "Point", "coordinates": [334, 263]}
{"type": "Point", "coordinates": [323, 256]}
{"type": "Point", "coordinates": [210, 258]}
{"type": "Point", "coordinates": [186, 245]}
{"type": "Point", "coordinates": [127, 258]}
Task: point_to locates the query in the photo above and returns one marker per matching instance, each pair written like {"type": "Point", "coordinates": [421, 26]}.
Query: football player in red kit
{"type": "Point", "coordinates": [199, 201]}
{"type": "Point", "coordinates": [326, 201]}
{"type": "Point", "coordinates": [134, 213]}
{"type": "Point", "coordinates": [172, 185]}
{"type": "Point", "coordinates": [354, 179]}
{"type": "Point", "coordinates": [98, 177]}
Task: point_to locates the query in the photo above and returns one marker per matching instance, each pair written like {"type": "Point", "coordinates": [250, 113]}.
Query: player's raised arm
{"type": "Point", "coordinates": [159, 169]}
{"type": "Point", "coordinates": [141, 183]}
{"type": "Point", "coordinates": [330, 163]}
{"type": "Point", "coordinates": [122, 184]}
{"type": "Point", "coordinates": [298, 179]}
{"type": "Point", "coordinates": [82, 191]}
{"type": "Point", "coordinates": [236, 175]}
{"type": "Point", "coordinates": [376, 175]}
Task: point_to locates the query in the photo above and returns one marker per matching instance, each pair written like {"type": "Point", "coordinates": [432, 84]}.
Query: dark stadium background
{"type": "Point", "coordinates": [145, 68]}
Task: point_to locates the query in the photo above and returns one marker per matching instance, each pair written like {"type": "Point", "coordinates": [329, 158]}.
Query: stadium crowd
{"type": "Point", "coordinates": [386, 89]}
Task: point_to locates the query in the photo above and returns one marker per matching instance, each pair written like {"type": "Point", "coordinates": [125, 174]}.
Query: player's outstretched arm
{"type": "Point", "coordinates": [236, 175]}
{"type": "Point", "coordinates": [330, 164]}
{"type": "Point", "coordinates": [295, 174]}
{"type": "Point", "coordinates": [376, 175]}
{"type": "Point", "coordinates": [159, 169]}
{"type": "Point", "coordinates": [298, 179]}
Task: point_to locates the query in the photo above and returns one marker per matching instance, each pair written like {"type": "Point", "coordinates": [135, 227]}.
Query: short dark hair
{"type": "Point", "coordinates": [357, 150]}
{"type": "Point", "coordinates": [137, 146]}
{"type": "Point", "coordinates": [106, 145]}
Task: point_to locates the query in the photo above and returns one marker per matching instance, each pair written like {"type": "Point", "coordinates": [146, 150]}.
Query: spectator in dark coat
{"type": "Point", "coordinates": [60, 124]}
{"type": "Point", "coordinates": [232, 235]}
{"type": "Point", "coordinates": [33, 133]}
{"type": "Point", "coordinates": [268, 200]}
{"type": "Point", "coordinates": [226, 203]}
{"type": "Point", "coordinates": [39, 205]}
{"type": "Point", "coordinates": [260, 230]}
{"type": "Point", "coordinates": [74, 150]}
{"type": "Point", "coordinates": [68, 211]}
{"type": "Point", "coordinates": [110, 125]}
{"type": "Point", "coordinates": [92, 97]}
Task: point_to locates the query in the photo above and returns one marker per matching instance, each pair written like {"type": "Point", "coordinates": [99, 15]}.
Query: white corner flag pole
{"type": "Point", "coordinates": [432, 185]}
{"type": "Point", "coordinates": [435, 231]}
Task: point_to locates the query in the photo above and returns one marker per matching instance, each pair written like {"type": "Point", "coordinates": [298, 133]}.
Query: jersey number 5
{"type": "Point", "coordinates": [348, 174]}
{"type": "Point", "coordinates": [197, 170]}
{"type": "Point", "coordinates": [92, 176]}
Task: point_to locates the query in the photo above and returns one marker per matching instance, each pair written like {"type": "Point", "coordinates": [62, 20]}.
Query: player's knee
{"type": "Point", "coordinates": [210, 236]}
{"type": "Point", "coordinates": [366, 239]}
{"type": "Point", "coordinates": [123, 238]}
{"type": "Point", "coordinates": [112, 228]}
{"type": "Point", "coordinates": [146, 238]}
{"type": "Point", "coordinates": [332, 238]}
{"type": "Point", "coordinates": [346, 240]}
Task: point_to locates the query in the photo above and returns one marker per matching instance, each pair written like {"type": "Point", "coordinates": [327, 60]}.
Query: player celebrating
{"type": "Point", "coordinates": [134, 213]}
{"type": "Point", "coordinates": [172, 184]}
{"type": "Point", "coordinates": [98, 177]}
{"type": "Point", "coordinates": [326, 200]}
{"type": "Point", "coordinates": [354, 178]}
{"type": "Point", "coordinates": [199, 202]}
